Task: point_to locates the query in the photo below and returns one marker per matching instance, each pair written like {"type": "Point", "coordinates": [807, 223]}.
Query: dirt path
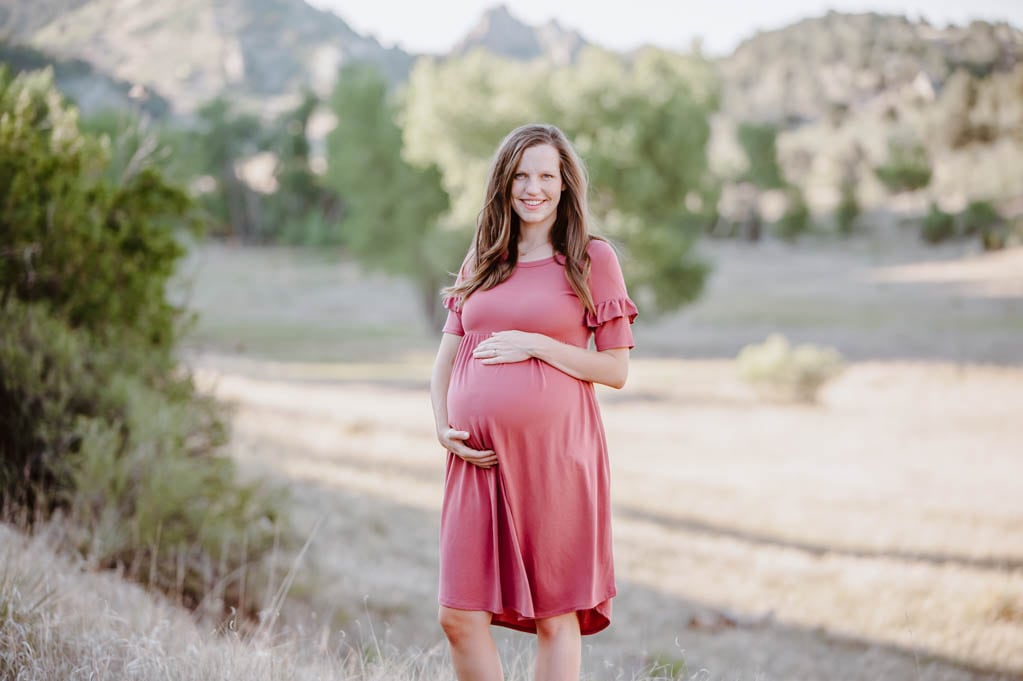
{"type": "Point", "coordinates": [878, 535]}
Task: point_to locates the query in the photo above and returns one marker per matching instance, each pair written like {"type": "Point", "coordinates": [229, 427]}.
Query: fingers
{"type": "Point", "coordinates": [453, 434]}
{"type": "Point", "coordinates": [454, 441]}
{"type": "Point", "coordinates": [486, 350]}
{"type": "Point", "coordinates": [484, 458]}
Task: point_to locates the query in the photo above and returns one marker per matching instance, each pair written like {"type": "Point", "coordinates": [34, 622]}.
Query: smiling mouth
{"type": "Point", "coordinates": [532, 203]}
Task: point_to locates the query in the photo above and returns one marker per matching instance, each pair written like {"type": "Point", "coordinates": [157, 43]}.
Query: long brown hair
{"type": "Point", "coordinates": [494, 252]}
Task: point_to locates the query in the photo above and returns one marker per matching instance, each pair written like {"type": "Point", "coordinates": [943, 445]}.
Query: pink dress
{"type": "Point", "coordinates": [531, 537]}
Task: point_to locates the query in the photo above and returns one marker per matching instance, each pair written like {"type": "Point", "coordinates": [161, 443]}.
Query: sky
{"type": "Point", "coordinates": [434, 27]}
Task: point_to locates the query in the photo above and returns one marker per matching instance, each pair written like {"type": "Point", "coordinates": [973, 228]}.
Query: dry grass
{"type": "Point", "coordinates": [59, 622]}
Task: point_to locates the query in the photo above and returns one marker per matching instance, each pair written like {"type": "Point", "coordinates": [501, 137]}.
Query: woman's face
{"type": "Point", "coordinates": [537, 186]}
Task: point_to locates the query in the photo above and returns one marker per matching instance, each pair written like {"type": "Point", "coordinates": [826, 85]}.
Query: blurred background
{"type": "Point", "coordinates": [224, 225]}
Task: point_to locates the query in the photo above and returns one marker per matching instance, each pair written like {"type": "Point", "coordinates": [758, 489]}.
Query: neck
{"type": "Point", "coordinates": [532, 235]}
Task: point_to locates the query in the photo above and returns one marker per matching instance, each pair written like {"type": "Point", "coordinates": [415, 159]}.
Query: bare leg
{"type": "Point", "coordinates": [558, 648]}
{"type": "Point", "coordinates": [473, 652]}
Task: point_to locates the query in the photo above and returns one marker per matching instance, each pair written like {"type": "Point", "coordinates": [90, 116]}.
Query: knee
{"type": "Point", "coordinates": [461, 625]}
{"type": "Point", "coordinates": [559, 626]}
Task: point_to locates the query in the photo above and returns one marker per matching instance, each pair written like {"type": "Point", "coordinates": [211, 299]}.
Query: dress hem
{"type": "Point", "coordinates": [543, 615]}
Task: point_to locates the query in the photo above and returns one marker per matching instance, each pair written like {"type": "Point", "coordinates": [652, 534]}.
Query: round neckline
{"type": "Point", "coordinates": [535, 263]}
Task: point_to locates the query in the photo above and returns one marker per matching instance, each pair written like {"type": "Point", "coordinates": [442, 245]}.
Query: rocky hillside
{"type": "Point", "coordinates": [79, 81]}
{"type": "Point", "coordinates": [24, 17]}
{"type": "Point", "coordinates": [503, 34]}
{"type": "Point", "coordinates": [828, 64]}
{"type": "Point", "coordinates": [263, 52]}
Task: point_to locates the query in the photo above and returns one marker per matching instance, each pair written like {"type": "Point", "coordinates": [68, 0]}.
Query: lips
{"type": "Point", "coordinates": [532, 204]}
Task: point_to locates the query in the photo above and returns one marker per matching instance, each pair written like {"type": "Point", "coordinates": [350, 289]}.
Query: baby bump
{"type": "Point", "coordinates": [520, 395]}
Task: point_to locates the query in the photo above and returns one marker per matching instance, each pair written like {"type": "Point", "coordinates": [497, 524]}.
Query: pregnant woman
{"type": "Point", "coordinates": [525, 538]}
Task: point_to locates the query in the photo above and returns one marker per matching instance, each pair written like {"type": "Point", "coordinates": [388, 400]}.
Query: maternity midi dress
{"type": "Point", "coordinates": [530, 538]}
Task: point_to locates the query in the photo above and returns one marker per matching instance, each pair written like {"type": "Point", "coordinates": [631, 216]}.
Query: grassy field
{"type": "Point", "coordinates": [875, 535]}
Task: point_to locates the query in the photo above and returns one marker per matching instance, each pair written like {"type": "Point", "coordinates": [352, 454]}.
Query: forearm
{"type": "Point", "coordinates": [608, 367]}
{"type": "Point", "coordinates": [439, 397]}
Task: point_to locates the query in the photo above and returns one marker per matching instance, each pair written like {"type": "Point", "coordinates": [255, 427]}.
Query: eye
{"type": "Point", "coordinates": [519, 176]}
{"type": "Point", "coordinates": [548, 176]}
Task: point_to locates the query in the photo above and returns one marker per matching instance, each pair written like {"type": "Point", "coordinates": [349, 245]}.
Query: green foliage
{"type": "Point", "coordinates": [780, 371]}
{"type": "Point", "coordinates": [224, 138]}
{"type": "Point", "coordinates": [95, 415]}
{"type": "Point", "coordinates": [982, 219]}
{"type": "Point", "coordinates": [979, 219]}
{"type": "Point", "coordinates": [759, 143]}
{"type": "Point", "coordinates": [301, 211]}
{"type": "Point", "coordinates": [906, 169]}
{"type": "Point", "coordinates": [98, 252]}
{"type": "Point", "coordinates": [133, 458]}
{"type": "Point", "coordinates": [848, 209]}
{"type": "Point", "coordinates": [938, 225]}
{"type": "Point", "coordinates": [641, 125]}
{"type": "Point", "coordinates": [796, 220]}
{"type": "Point", "coordinates": [391, 207]}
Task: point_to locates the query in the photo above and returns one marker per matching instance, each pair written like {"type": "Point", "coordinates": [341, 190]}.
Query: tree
{"type": "Point", "coordinates": [301, 210]}
{"type": "Point", "coordinates": [759, 141]}
{"type": "Point", "coordinates": [98, 247]}
{"type": "Point", "coordinates": [390, 207]}
{"type": "Point", "coordinates": [796, 220]}
{"type": "Point", "coordinates": [225, 138]}
{"type": "Point", "coordinates": [641, 125]}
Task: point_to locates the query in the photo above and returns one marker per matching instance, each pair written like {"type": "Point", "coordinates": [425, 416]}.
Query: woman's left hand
{"type": "Point", "coordinates": [506, 347]}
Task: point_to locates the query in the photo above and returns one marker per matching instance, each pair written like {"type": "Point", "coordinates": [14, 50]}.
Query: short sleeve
{"type": "Point", "coordinates": [453, 324]}
{"type": "Point", "coordinates": [614, 311]}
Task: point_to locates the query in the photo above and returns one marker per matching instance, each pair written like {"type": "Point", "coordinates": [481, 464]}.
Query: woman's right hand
{"type": "Point", "coordinates": [453, 440]}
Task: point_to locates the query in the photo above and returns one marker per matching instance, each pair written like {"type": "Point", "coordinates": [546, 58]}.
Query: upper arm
{"type": "Point", "coordinates": [448, 349]}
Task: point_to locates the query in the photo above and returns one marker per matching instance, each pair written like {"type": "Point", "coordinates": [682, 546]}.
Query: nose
{"type": "Point", "coordinates": [532, 185]}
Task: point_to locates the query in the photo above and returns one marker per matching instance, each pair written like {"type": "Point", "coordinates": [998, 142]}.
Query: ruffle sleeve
{"type": "Point", "coordinates": [614, 312]}
{"type": "Point", "coordinates": [453, 324]}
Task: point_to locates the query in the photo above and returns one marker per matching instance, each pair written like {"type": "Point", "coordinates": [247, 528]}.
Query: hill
{"type": "Point", "coordinates": [262, 52]}
{"type": "Point", "coordinates": [503, 34]}
{"type": "Point", "coordinates": [77, 79]}
{"type": "Point", "coordinates": [816, 66]}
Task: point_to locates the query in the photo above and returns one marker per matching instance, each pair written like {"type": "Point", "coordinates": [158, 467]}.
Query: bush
{"type": "Point", "coordinates": [906, 169]}
{"type": "Point", "coordinates": [848, 209]}
{"type": "Point", "coordinates": [136, 466]}
{"type": "Point", "coordinates": [796, 220]}
{"type": "Point", "coordinates": [937, 226]}
{"type": "Point", "coordinates": [782, 372]}
{"type": "Point", "coordinates": [982, 219]}
{"type": "Point", "coordinates": [96, 418]}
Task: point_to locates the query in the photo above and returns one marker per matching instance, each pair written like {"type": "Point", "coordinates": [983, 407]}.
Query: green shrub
{"type": "Point", "coordinates": [848, 209]}
{"type": "Point", "coordinates": [782, 372]}
{"type": "Point", "coordinates": [908, 168]}
{"type": "Point", "coordinates": [97, 420]}
{"type": "Point", "coordinates": [937, 225]}
{"type": "Point", "coordinates": [137, 466]}
{"type": "Point", "coordinates": [796, 220]}
{"type": "Point", "coordinates": [982, 219]}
